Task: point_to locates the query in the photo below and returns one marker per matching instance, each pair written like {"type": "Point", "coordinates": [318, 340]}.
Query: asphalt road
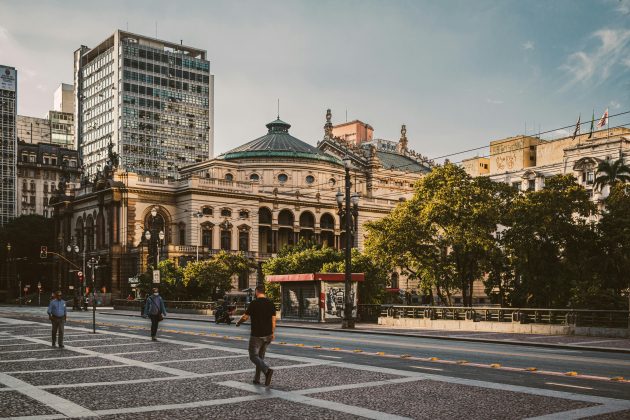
{"type": "Point", "coordinates": [492, 362]}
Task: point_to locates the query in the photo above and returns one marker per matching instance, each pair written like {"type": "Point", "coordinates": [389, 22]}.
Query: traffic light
{"type": "Point", "coordinates": [43, 252]}
{"type": "Point", "coordinates": [80, 276]}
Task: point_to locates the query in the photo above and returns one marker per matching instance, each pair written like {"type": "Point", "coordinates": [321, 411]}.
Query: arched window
{"type": "Point", "coordinates": [283, 178]}
{"type": "Point", "coordinates": [206, 234]}
{"type": "Point", "coordinates": [327, 221]}
{"type": "Point", "coordinates": [264, 216]}
{"type": "Point", "coordinates": [226, 213]}
{"type": "Point", "coordinates": [229, 177]}
{"type": "Point", "coordinates": [394, 280]}
{"type": "Point", "coordinates": [285, 218]}
{"type": "Point", "coordinates": [243, 238]}
{"type": "Point", "coordinates": [307, 220]}
{"type": "Point", "coordinates": [206, 211]}
{"type": "Point", "coordinates": [254, 177]}
{"type": "Point", "coordinates": [226, 236]}
{"type": "Point", "coordinates": [243, 214]}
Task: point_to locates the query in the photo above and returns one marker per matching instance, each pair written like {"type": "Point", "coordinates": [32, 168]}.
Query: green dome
{"type": "Point", "coordinates": [278, 143]}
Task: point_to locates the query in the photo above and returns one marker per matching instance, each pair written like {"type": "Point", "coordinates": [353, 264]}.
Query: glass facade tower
{"type": "Point", "coordinates": [152, 99]}
{"type": "Point", "coordinates": [8, 143]}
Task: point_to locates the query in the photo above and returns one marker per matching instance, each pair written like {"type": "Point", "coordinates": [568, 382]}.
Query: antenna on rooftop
{"type": "Point", "coordinates": [278, 108]}
{"type": "Point", "coordinates": [346, 114]}
{"type": "Point", "coordinates": [156, 28]}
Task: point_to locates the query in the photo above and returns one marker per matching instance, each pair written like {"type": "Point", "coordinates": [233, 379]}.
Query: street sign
{"type": "Point", "coordinates": [156, 276]}
{"type": "Point", "coordinates": [71, 287]}
{"type": "Point", "coordinates": [134, 280]}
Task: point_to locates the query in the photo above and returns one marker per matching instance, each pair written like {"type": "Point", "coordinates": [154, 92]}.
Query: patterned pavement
{"type": "Point", "coordinates": [122, 375]}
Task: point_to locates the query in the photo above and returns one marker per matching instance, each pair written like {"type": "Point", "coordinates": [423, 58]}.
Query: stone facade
{"type": "Point", "coordinates": [253, 199]}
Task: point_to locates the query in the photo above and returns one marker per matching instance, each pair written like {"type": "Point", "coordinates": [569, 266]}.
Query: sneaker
{"type": "Point", "coordinates": [53, 344]}
{"type": "Point", "coordinates": [256, 382]}
{"type": "Point", "coordinates": [268, 377]}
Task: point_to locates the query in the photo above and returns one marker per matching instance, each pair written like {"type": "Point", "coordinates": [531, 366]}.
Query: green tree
{"type": "Point", "coordinates": [27, 234]}
{"type": "Point", "coordinates": [212, 278]}
{"type": "Point", "coordinates": [372, 290]}
{"type": "Point", "coordinates": [614, 256]}
{"type": "Point", "coordinates": [543, 241]}
{"type": "Point", "coordinates": [304, 257]}
{"type": "Point", "coordinates": [444, 234]}
{"type": "Point", "coordinates": [609, 173]}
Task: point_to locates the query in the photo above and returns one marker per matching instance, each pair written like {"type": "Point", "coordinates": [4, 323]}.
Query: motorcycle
{"type": "Point", "coordinates": [223, 315]}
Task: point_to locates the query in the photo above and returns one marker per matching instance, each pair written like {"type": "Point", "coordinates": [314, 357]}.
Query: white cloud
{"type": "Point", "coordinates": [494, 101]}
{"type": "Point", "coordinates": [623, 7]}
{"type": "Point", "coordinates": [528, 45]}
{"type": "Point", "coordinates": [595, 65]}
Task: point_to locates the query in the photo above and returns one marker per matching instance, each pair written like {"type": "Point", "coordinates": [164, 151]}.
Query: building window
{"type": "Point", "coordinates": [394, 280]}
{"type": "Point", "coordinates": [254, 177]}
{"type": "Point", "coordinates": [283, 178]}
{"type": "Point", "coordinates": [243, 280]}
{"type": "Point", "coordinates": [516, 186]}
{"type": "Point", "coordinates": [590, 178]}
{"type": "Point", "coordinates": [206, 238]}
{"type": "Point", "coordinates": [310, 179]}
{"type": "Point", "coordinates": [182, 236]}
{"type": "Point", "coordinates": [226, 213]}
{"type": "Point", "coordinates": [226, 240]}
{"type": "Point", "coordinates": [206, 211]}
{"type": "Point", "coordinates": [531, 185]}
{"type": "Point", "coordinates": [229, 177]}
{"type": "Point", "coordinates": [243, 240]}
{"type": "Point", "coordinates": [243, 214]}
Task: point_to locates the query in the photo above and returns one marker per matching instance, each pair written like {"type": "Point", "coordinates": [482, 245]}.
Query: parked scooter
{"type": "Point", "coordinates": [223, 314]}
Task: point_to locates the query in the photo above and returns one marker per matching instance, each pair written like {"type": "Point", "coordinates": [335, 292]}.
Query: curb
{"type": "Point", "coordinates": [395, 334]}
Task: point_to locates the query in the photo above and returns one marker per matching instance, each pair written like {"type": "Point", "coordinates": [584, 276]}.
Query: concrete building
{"type": "Point", "coordinates": [42, 168]}
{"type": "Point", "coordinates": [476, 166]}
{"type": "Point", "coordinates": [152, 99]}
{"type": "Point", "coordinates": [8, 142]}
{"type": "Point", "coordinates": [63, 99]}
{"type": "Point", "coordinates": [578, 156]}
{"type": "Point", "coordinates": [255, 198]}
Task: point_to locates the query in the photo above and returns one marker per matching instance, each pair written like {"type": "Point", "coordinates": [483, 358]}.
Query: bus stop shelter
{"type": "Point", "coordinates": [316, 297]}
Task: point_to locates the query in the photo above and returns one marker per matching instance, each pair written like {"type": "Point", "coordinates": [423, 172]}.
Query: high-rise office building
{"type": "Point", "coordinates": [63, 99]}
{"type": "Point", "coordinates": [8, 142]}
{"type": "Point", "coordinates": [152, 99]}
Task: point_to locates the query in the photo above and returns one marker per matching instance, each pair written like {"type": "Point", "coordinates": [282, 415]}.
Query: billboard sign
{"type": "Point", "coordinates": [8, 79]}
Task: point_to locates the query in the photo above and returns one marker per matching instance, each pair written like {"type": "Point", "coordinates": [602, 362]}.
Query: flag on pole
{"type": "Point", "coordinates": [577, 127]}
{"type": "Point", "coordinates": [590, 134]}
{"type": "Point", "coordinates": [603, 120]}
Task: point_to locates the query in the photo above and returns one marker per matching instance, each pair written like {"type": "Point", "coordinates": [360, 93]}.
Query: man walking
{"type": "Point", "coordinates": [57, 315]}
{"type": "Point", "coordinates": [263, 314]}
{"type": "Point", "coordinates": [154, 309]}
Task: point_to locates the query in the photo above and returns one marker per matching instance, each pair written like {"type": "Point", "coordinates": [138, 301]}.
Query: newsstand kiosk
{"type": "Point", "coordinates": [316, 297]}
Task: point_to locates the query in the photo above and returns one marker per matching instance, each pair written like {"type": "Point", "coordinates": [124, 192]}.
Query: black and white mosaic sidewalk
{"type": "Point", "coordinates": [123, 375]}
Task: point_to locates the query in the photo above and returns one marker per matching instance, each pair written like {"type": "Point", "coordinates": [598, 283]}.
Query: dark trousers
{"type": "Point", "coordinates": [155, 320]}
{"type": "Point", "coordinates": [57, 328]}
{"type": "Point", "coordinates": [257, 349]}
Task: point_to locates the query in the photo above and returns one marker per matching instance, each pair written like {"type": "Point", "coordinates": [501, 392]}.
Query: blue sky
{"type": "Point", "coordinates": [458, 73]}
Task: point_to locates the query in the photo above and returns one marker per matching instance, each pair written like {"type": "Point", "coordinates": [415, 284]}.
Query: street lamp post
{"type": "Point", "coordinates": [350, 214]}
{"type": "Point", "coordinates": [74, 250]}
{"type": "Point", "coordinates": [93, 264]}
{"type": "Point", "coordinates": [198, 215]}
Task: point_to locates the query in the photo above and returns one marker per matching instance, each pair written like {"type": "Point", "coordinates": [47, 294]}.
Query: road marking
{"type": "Point", "coordinates": [302, 399]}
{"type": "Point", "coordinates": [53, 401]}
{"type": "Point", "coordinates": [232, 356]}
{"type": "Point", "coordinates": [579, 343]}
{"type": "Point", "coordinates": [182, 406]}
{"type": "Point", "coordinates": [425, 368]}
{"type": "Point", "coordinates": [330, 357]}
{"type": "Point", "coordinates": [568, 386]}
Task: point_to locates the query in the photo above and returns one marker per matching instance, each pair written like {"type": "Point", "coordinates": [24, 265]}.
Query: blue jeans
{"type": "Point", "coordinates": [257, 349]}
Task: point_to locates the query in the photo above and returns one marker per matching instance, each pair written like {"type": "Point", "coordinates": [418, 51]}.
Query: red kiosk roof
{"type": "Point", "coordinates": [337, 277]}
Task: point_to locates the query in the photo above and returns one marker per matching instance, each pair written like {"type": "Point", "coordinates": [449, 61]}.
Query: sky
{"type": "Point", "coordinates": [458, 73]}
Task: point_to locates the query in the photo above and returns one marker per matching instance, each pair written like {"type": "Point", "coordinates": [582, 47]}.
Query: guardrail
{"type": "Point", "coordinates": [573, 317]}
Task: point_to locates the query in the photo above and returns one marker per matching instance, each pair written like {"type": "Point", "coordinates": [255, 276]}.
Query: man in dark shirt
{"type": "Point", "coordinates": [263, 314]}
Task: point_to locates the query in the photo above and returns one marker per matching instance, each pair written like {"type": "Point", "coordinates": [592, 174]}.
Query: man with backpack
{"type": "Point", "coordinates": [154, 309]}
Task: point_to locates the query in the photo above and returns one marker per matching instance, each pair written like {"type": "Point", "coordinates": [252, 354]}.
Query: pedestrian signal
{"type": "Point", "coordinates": [43, 252]}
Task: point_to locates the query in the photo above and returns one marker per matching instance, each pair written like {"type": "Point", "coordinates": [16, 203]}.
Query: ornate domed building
{"type": "Point", "coordinates": [255, 199]}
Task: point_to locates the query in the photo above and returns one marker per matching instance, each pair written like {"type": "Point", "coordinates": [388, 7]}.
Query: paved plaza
{"type": "Point", "coordinates": [124, 375]}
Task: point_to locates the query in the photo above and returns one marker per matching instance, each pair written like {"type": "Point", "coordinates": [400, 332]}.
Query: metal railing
{"type": "Point", "coordinates": [572, 317]}
{"type": "Point", "coordinates": [170, 304]}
